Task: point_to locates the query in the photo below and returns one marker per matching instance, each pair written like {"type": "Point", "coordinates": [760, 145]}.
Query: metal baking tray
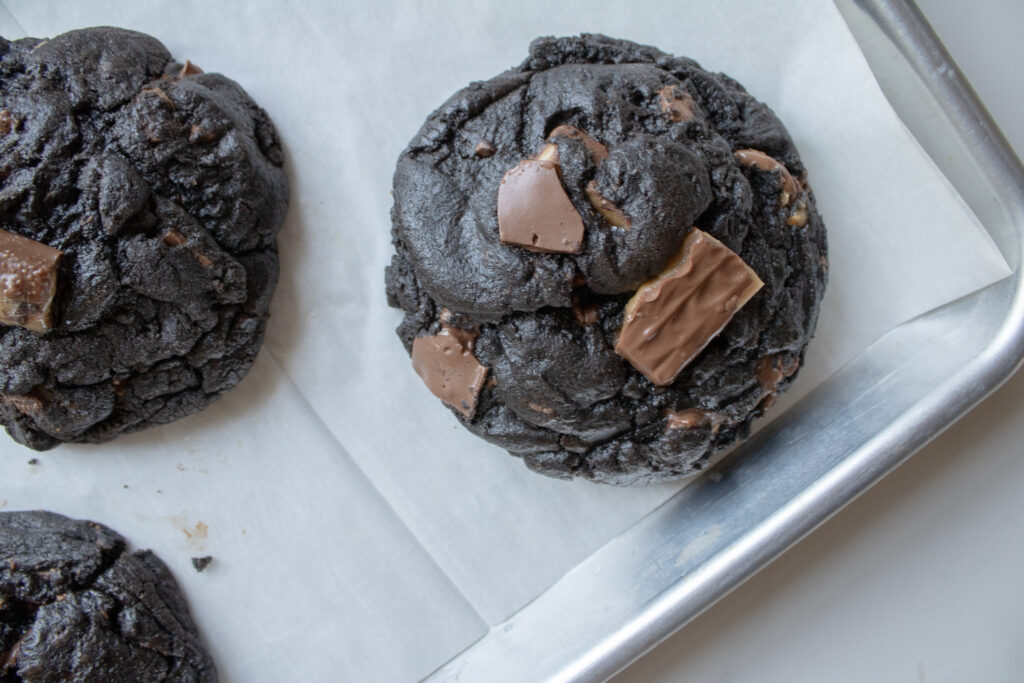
{"type": "Point", "coordinates": [845, 436]}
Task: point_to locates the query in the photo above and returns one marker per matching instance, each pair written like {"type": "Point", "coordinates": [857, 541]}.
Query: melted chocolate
{"type": "Point", "coordinates": [609, 211]}
{"type": "Point", "coordinates": [597, 150]}
{"type": "Point", "coordinates": [757, 159]}
{"type": "Point", "coordinates": [676, 103]}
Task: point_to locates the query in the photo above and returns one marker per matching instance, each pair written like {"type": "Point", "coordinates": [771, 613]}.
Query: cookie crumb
{"type": "Point", "coordinates": [201, 563]}
{"type": "Point", "coordinates": [33, 461]}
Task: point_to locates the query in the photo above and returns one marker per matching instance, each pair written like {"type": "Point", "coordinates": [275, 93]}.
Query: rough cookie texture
{"type": "Point", "coordinates": [75, 605]}
{"type": "Point", "coordinates": [547, 323]}
{"type": "Point", "coordinates": [163, 188]}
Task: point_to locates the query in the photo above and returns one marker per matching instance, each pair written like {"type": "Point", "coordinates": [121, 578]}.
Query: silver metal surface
{"type": "Point", "coordinates": [845, 436]}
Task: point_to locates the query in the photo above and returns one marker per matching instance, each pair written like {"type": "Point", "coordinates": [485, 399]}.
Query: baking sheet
{"type": "Point", "coordinates": [373, 523]}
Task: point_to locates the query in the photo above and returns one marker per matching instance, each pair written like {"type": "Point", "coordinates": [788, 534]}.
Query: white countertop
{"type": "Point", "coordinates": [920, 578]}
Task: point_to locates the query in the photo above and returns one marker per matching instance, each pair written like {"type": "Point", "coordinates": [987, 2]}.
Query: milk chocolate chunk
{"type": "Point", "coordinates": [534, 212]}
{"type": "Point", "coordinates": [757, 159]}
{"type": "Point", "coordinates": [674, 315]}
{"type": "Point", "coordinates": [28, 282]}
{"type": "Point", "coordinates": [448, 367]}
{"type": "Point", "coordinates": [608, 211]}
{"type": "Point", "coordinates": [676, 103]}
{"type": "Point", "coordinates": [596, 149]}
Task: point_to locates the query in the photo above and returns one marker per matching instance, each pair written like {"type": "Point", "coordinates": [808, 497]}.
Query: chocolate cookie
{"type": "Point", "coordinates": [75, 605]}
{"type": "Point", "coordinates": [609, 259]}
{"type": "Point", "coordinates": [140, 200]}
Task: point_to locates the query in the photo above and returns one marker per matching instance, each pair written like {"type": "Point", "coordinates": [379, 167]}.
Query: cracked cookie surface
{"type": "Point", "coordinates": [76, 605]}
{"type": "Point", "coordinates": [162, 189]}
{"type": "Point", "coordinates": [648, 147]}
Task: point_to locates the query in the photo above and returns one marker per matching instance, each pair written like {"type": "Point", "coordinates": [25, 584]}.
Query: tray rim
{"type": "Point", "coordinates": [680, 601]}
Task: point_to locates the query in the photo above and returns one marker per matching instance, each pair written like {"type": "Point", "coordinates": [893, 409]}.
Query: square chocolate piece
{"type": "Point", "coordinates": [674, 315]}
{"type": "Point", "coordinates": [28, 282]}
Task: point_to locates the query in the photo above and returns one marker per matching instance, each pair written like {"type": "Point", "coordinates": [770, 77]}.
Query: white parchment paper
{"type": "Point", "coordinates": [356, 528]}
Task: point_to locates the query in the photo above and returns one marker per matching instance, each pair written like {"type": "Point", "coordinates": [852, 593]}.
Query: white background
{"type": "Point", "coordinates": [919, 579]}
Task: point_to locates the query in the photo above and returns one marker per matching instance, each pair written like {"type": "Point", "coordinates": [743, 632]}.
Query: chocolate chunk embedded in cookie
{"type": "Point", "coordinates": [76, 605]}
{"type": "Point", "coordinates": [140, 201]}
{"type": "Point", "coordinates": [631, 244]}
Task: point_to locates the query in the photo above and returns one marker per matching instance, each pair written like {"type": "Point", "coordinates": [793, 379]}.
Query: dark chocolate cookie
{"type": "Point", "coordinates": [609, 259]}
{"type": "Point", "coordinates": [140, 200]}
{"type": "Point", "coordinates": [75, 605]}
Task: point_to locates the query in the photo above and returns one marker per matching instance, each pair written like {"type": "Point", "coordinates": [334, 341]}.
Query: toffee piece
{"type": "Point", "coordinates": [138, 254]}
{"type": "Point", "coordinates": [753, 158]}
{"type": "Point", "coordinates": [618, 344]}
